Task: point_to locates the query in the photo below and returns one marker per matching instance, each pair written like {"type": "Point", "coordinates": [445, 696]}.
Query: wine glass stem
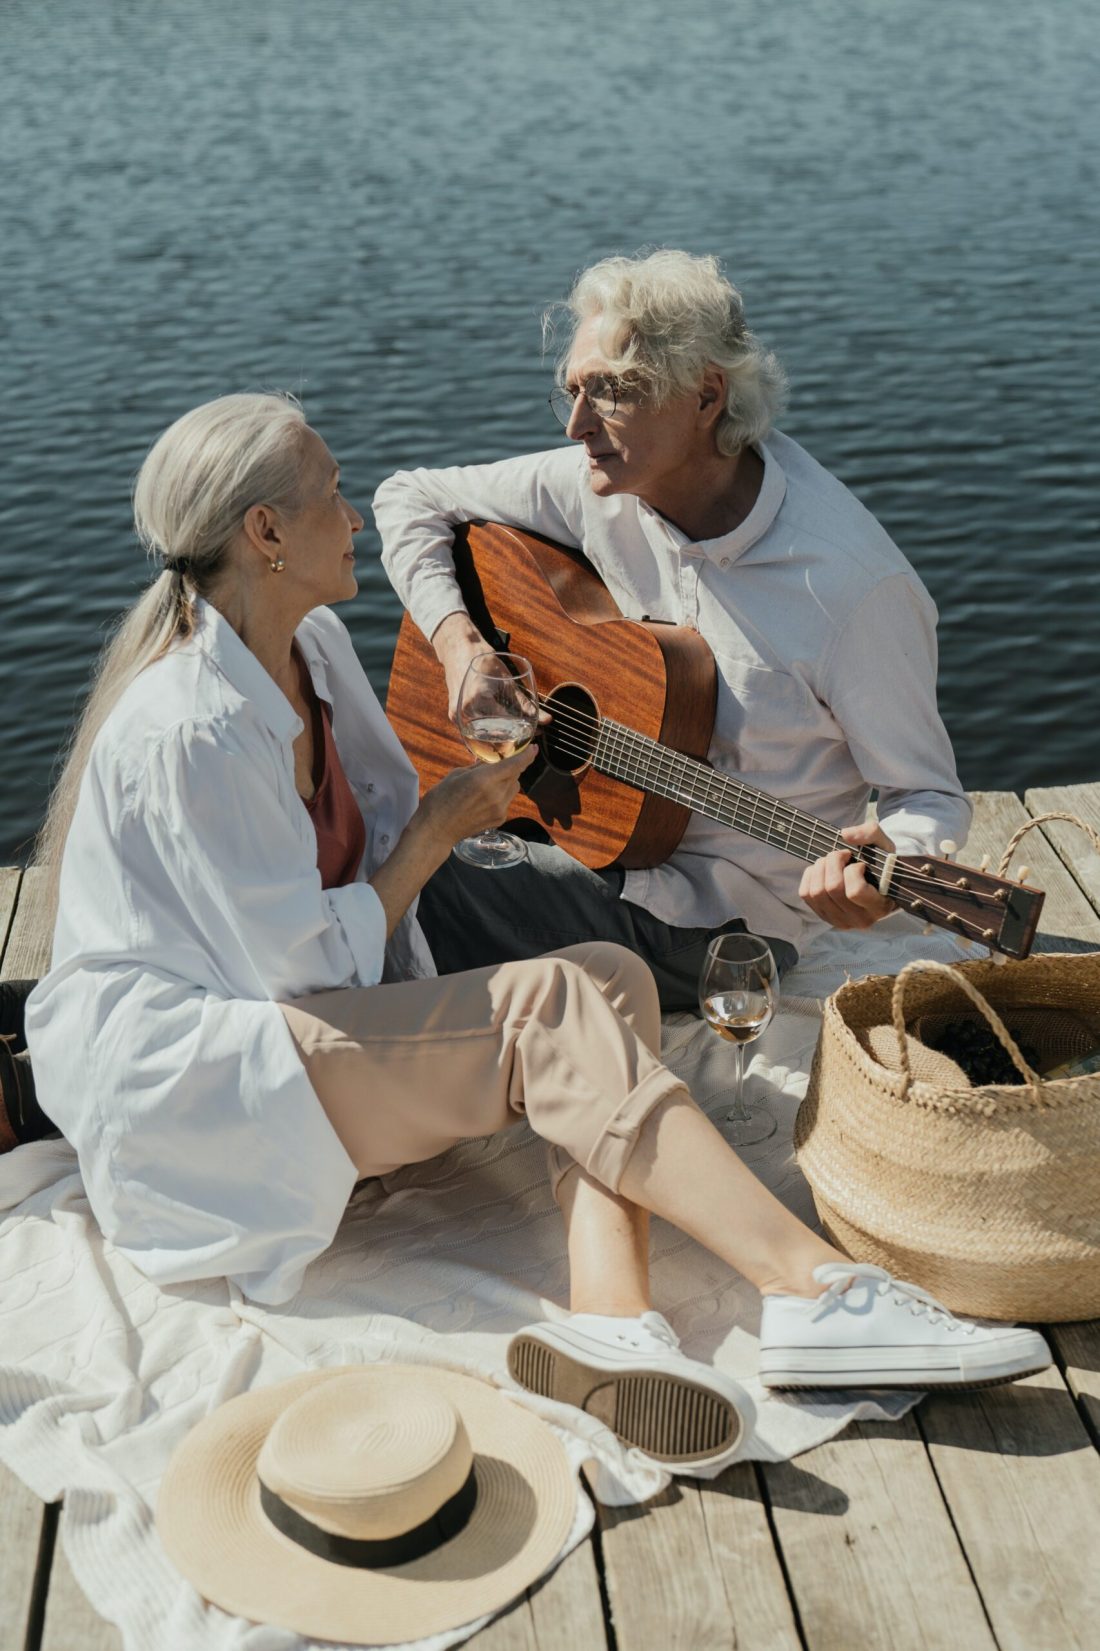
{"type": "Point", "coordinates": [739, 1115]}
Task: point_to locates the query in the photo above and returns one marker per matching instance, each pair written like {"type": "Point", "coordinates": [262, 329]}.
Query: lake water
{"type": "Point", "coordinates": [369, 202]}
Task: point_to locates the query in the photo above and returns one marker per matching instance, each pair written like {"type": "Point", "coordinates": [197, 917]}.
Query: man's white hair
{"type": "Point", "coordinates": [664, 317]}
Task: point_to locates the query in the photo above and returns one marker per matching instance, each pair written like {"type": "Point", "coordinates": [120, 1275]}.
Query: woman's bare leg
{"type": "Point", "coordinates": [608, 1240]}
{"type": "Point", "coordinates": [684, 1171]}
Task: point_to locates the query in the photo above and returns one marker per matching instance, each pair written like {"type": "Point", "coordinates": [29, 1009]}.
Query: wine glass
{"type": "Point", "coordinates": [738, 991]}
{"type": "Point", "coordinates": [498, 712]}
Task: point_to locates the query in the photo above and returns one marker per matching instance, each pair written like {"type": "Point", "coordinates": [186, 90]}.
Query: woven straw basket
{"type": "Point", "coordinates": [988, 1197]}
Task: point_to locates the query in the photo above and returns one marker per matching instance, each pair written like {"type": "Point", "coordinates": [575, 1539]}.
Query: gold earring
{"type": "Point", "coordinates": [277, 566]}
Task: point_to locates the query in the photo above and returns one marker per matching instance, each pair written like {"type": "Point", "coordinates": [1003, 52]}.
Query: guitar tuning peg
{"type": "Point", "coordinates": [948, 847]}
{"type": "Point", "coordinates": [1025, 873]}
{"type": "Point", "coordinates": [984, 866]}
{"type": "Point", "coordinates": [929, 928]}
{"type": "Point", "coordinates": [998, 958]}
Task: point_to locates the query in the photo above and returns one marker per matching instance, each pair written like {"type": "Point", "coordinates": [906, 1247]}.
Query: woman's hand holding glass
{"type": "Point", "coordinates": [738, 993]}
{"type": "Point", "coordinates": [470, 801]}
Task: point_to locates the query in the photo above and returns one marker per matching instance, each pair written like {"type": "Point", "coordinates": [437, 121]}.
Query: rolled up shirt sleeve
{"type": "Point", "coordinates": [880, 682]}
{"type": "Point", "coordinates": [243, 869]}
{"type": "Point", "coordinates": [416, 512]}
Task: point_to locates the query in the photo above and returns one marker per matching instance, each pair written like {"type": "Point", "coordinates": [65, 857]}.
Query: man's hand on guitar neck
{"type": "Point", "coordinates": [838, 890]}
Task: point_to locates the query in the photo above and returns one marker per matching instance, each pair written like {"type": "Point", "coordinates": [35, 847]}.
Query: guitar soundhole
{"type": "Point", "coordinates": [569, 741]}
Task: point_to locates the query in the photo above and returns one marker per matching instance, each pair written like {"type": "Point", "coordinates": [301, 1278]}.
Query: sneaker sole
{"type": "Point", "coordinates": [666, 1417]}
{"type": "Point", "coordinates": [926, 1380]}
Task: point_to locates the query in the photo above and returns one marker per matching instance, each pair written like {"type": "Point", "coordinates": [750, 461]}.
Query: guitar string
{"type": "Point", "coordinates": [927, 907]}
{"type": "Point", "coordinates": [872, 857]}
{"type": "Point", "coordinates": [807, 828]}
{"type": "Point", "coordinates": [907, 880]}
{"type": "Point", "coordinates": [800, 837]}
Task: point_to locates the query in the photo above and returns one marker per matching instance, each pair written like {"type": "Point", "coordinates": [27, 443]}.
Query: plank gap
{"type": "Point", "coordinates": [47, 1543]}
{"type": "Point", "coordinates": [1061, 1364]}
{"type": "Point", "coordinates": [601, 1578]}
{"type": "Point", "coordinates": [10, 879]}
{"type": "Point", "coordinates": [918, 1419]}
{"type": "Point", "coordinates": [765, 1497]}
{"type": "Point", "coordinates": [1047, 830]}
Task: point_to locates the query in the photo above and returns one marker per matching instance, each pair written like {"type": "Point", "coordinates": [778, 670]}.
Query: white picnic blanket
{"type": "Point", "coordinates": [102, 1373]}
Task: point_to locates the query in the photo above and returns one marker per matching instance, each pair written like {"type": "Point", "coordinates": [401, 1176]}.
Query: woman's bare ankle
{"type": "Point", "coordinates": [610, 1306]}
{"type": "Point", "coordinates": [795, 1277]}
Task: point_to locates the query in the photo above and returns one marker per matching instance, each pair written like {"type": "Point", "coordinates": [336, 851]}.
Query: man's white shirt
{"type": "Point", "coordinates": [823, 636]}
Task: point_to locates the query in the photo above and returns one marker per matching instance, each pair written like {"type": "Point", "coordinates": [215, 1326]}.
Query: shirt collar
{"type": "Point", "coordinates": [728, 546]}
{"type": "Point", "coordinates": [217, 639]}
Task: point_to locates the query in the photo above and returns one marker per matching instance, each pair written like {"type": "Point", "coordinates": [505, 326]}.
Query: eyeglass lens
{"type": "Point", "coordinates": [598, 392]}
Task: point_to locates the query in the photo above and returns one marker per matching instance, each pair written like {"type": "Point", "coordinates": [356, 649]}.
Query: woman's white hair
{"type": "Point", "coordinates": [664, 317]}
{"type": "Point", "coordinates": [190, 498]}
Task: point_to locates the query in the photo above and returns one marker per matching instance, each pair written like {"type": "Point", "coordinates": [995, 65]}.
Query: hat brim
{"type": "Point", "coordinates": [213, 1528]}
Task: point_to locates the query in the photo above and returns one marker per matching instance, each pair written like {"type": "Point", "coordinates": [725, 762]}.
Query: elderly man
{"type": "Point", "coordinates": [694, 509]}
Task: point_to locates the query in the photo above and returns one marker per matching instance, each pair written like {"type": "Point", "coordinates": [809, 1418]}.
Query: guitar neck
{"type": "Point", "coordinates": [641, 762]}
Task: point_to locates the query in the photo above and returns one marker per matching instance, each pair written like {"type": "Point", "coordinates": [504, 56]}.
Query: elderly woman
{"type": "Point", "coordinates": [243, 1018]}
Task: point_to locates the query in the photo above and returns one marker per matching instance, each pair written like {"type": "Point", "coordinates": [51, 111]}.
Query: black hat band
{"type": "Point", "coordinates": [440, 1527]}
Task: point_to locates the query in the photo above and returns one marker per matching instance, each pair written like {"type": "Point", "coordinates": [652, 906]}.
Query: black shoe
{"type": "Point", "coordinates": [21, 1117]}
{"type": "Point", "coordinates": [13, 1006]}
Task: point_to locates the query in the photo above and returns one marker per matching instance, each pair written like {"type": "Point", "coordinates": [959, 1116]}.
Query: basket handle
{"type": "Point", "coordinates": [1041, 819]}
{"type": "Point", "coordinates": [925, 965]}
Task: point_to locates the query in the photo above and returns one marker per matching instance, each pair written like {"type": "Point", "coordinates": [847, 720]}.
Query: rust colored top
{"type": "Point", "coordinates": [341, 834]}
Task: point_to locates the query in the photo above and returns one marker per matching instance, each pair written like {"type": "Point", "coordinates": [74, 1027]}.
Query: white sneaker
{"type": "Point", "coordinates": [631, 1375]}
{"type": "Point", "coordinates": [870, 1330]}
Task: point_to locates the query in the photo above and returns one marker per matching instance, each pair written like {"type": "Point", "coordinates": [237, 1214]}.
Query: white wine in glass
{"type": "Point", "coordinates": [491, 739]}
{"type": "Point", "coordinates": [498, 713]}
{"type": "Point", "coordinates": [738, 991]}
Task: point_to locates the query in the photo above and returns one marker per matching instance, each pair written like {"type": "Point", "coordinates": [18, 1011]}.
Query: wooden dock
{"type": "Point", "coordinates": [971, 1525]}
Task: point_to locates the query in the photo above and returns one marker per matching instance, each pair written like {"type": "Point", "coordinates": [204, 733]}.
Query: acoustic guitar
{"type": "Point", "coordinates": [621, 765]}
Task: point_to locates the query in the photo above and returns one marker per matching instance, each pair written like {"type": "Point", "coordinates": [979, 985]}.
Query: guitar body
{"type": "Point", "coordinates": [530, 596]}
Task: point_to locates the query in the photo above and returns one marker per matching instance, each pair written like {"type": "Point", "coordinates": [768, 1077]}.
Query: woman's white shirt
{"type": "Point", "coordinates": [190, 906]}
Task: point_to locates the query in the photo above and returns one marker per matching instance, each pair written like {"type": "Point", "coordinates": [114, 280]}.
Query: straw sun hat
{"type": "Point", "coordinates": [374, 1503]}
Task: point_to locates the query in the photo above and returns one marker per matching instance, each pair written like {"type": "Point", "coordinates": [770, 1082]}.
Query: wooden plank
{"type": "Point", "coordinates": [1022, 1480]}
{"type": "Point", "coordinates": [1073, 845]}
{"type": "Point", "coordinates": [563, 1613]}
{"type": "Point", "coordinates": [9, 890]}
{"type": "Point", "coordinates": [869, 1548]}
{"type": "Point", "coordinates": [566, 1609]}
{"type": "Point", "coordinates": [743, 1550]}
{"type": "Point", "coordinates": [514, 1631]}
{"type": "Point", "coordinates": [70, 1620]}
{"type": "Point", "coordinates": [1078, 1348]}
{"type": "Point", "coordinates": [662, 1579]}
{"type": "Point", "coordinates": [27, 955]}
{"type": "Point", "coordinates": [21, 1530]}
{"type": "Point", "coordinates": [1066, 915]}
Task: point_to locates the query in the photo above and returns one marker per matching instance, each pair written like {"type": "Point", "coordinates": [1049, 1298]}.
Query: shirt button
{"type": "Point", "coordinates": [383, 841]}
{"type": "Point", "coordinates": [370, 787]}
{"type": "Point", "coordinates": [725, 562]}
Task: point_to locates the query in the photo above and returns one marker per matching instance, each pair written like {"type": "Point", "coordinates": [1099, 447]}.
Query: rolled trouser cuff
{"type": "Point", "coordinates": [610, 1152]}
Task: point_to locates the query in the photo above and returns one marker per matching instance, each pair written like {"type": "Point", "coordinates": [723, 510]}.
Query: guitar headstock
{"type": "Point", "coordinates": [973, 904]}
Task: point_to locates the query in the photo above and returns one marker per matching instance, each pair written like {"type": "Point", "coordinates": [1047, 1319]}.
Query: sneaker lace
{"type": "Point", "coordinates": [660, 1329]}
{"type": "Point", "coordinates": [840, 1275]}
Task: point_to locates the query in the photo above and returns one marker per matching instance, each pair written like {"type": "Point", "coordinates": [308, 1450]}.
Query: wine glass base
{"type": "Point", "coordinates": [492, 851]}
{"type": "Point", "coordinates": [745, 1132]}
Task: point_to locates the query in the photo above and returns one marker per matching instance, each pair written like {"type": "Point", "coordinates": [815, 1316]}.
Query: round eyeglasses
{"type": "Point", "coordinates": [601, 394]}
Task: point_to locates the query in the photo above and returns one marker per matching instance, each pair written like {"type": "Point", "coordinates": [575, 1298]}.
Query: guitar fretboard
{"type": "Point", "coordinates": [636, 760]}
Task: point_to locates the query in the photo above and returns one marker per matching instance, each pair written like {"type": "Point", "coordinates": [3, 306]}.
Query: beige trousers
{"type": "Point", "coordinates": [568, 1040]}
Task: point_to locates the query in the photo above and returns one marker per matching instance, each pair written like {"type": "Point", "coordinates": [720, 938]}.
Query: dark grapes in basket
{"type": "Point", "coordinates": [981, 1054]}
